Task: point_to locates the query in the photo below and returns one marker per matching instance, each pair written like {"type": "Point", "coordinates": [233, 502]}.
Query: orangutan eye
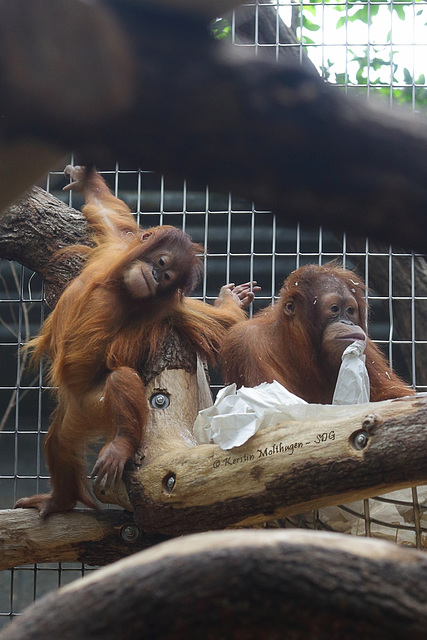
{"type": "Point", "coordinates": [350, 311]}
{"type": "Point", "coordinates": [335, 308]}
{"type": "Point", "coordinates": [162, 262]}
{"type": "Point", "coordinates": [167, 276]}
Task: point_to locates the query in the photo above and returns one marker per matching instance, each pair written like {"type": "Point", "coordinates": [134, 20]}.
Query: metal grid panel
{"type": "Point", "coordinates": [241, 243]}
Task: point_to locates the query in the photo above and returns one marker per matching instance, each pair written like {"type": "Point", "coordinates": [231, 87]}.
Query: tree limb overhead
{"type": "Point", "coordinates": [192, 107]}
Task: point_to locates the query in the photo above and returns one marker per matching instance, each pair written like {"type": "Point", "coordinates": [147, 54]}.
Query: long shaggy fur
{"type": "Point", "coordinates": [98, 337]}
{"type": "Point", "coordinates": [273, 346]}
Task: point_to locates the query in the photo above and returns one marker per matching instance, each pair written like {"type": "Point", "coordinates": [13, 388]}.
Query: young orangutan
{"type": "Point", "coordinates": [114, 315]}
{"type": "Point", "coordinates": [300, 339]}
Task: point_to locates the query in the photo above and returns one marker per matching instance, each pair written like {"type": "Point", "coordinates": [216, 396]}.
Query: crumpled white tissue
{"type": "Point", "coordinates": [239, 413]}
{"type": "Point", "coordinates": [352, 386]}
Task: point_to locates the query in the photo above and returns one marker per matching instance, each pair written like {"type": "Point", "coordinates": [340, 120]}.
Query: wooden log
{"type": "Point", "coordinates": [34, 228]}
{"type": "Point", "coordinates": [333, 455]}
{"type": "Point", "coordinates": [92, 537]}
{"type": "Point", "coordinates": [338, 454]}
{"type": "Point", "coordinates": [297, 585]}
{"type": "Point", "coordinates": [175, 396]}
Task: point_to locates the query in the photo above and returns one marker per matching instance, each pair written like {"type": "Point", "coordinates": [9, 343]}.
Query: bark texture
{"type": "Point", "coordinates": [298, 465]}
{"type": "Point", "coordinates": [93, 537]}
{"type": "Point", "coordinates": [34, 228]}
{"type": "Point", "coordinates": [243, 585]}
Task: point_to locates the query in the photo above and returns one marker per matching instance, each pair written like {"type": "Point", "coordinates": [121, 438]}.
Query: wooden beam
{"type": "Point", "coordinates": [339, 454]}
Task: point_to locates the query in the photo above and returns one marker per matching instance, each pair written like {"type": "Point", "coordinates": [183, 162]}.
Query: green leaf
{"type": "Point", "coordinates": [400, 11]}
{"type": "Point", "coordinates": [377, 63]}
{"type": "Point", "coordinates": [307, 24]}
{"type": "Point", "coordinates": [341, 22]}
{"type": "Point", "coordinates": [407, 77]}
{"type": "Point", "coordinates": [365, 14]}
{"type": "Point", "coordinates": [221, 29]}
{"type": "Point", "coordinates": [361, 60]}
{"type": "Point", "coordinates": [340, 78]}
{"type": "Point", "coordinates": [306, 40]}
{"type": "Point", "coordinates": [360, 77]}
{"type": "Point", "coordinates": [311, 9]}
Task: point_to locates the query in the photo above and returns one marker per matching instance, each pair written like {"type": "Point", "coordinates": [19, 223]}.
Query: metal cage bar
{"type": "Point", "coordinates": [241, 243]}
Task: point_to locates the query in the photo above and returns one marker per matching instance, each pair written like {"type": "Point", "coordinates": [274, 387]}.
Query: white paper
{"type": "Point", "coordinates": [352, 386]}
{"type": "Point", "coordinates": [238, 413]}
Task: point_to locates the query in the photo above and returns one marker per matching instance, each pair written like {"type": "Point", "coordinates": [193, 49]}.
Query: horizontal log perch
{"type": "Point", "coordinates": [92, 537]}
{"type": "Point", "coordinates": [340, 455]}
{"type": "Point", "coordinates": [297, 585]}
{"type": "Point", "coordinates": [334, 455]}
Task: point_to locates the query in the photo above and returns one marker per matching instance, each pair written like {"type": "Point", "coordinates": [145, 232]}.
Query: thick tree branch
{"type": "Point", "coordinates": [243, 584]}
{"type": "Point", "coordinates": [92, 537]}
{"type": "Point", "coordinates": [184, 104]}
{"type": "Point", "coordinates": [303, 464]}
{"type": "Point", "coordinates": [181, 488]}
{"type": "Point", "coordinates": [282, 471]}
{"type": "Point", "coordinates": [34, 228]}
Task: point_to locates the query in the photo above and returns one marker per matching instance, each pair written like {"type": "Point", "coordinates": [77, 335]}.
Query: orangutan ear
{"type": "Point", "coordinates": [289, 307]}
{"type": "Point", "coordinates": [146, 234]}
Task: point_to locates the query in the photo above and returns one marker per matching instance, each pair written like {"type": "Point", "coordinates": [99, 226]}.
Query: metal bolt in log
{"type": "Point", "coordinates": [330, 456]}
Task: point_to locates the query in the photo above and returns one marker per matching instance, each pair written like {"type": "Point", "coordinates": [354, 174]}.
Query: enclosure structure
{"type": "Point", "coordinates": [243, 243]}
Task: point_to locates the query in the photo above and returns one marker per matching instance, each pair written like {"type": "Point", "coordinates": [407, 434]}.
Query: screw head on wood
{"type": "Point", "coordinates": [169, 482]}
{"type": "Point", "coordinates": [159, 401]}
{"type": "Point", "coordinates": [359, 440]}
{"type": "Point", "coordinates": [129, 533]}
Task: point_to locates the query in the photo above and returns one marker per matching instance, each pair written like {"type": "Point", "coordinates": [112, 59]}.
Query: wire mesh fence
{"type": "Point", "coordinates": [361, 46]}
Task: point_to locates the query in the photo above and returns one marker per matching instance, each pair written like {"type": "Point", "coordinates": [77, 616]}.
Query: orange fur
{"type": "Point", "coordinates": [98, 336]}
{"type": "Point", "coordinates": [276, 346]}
